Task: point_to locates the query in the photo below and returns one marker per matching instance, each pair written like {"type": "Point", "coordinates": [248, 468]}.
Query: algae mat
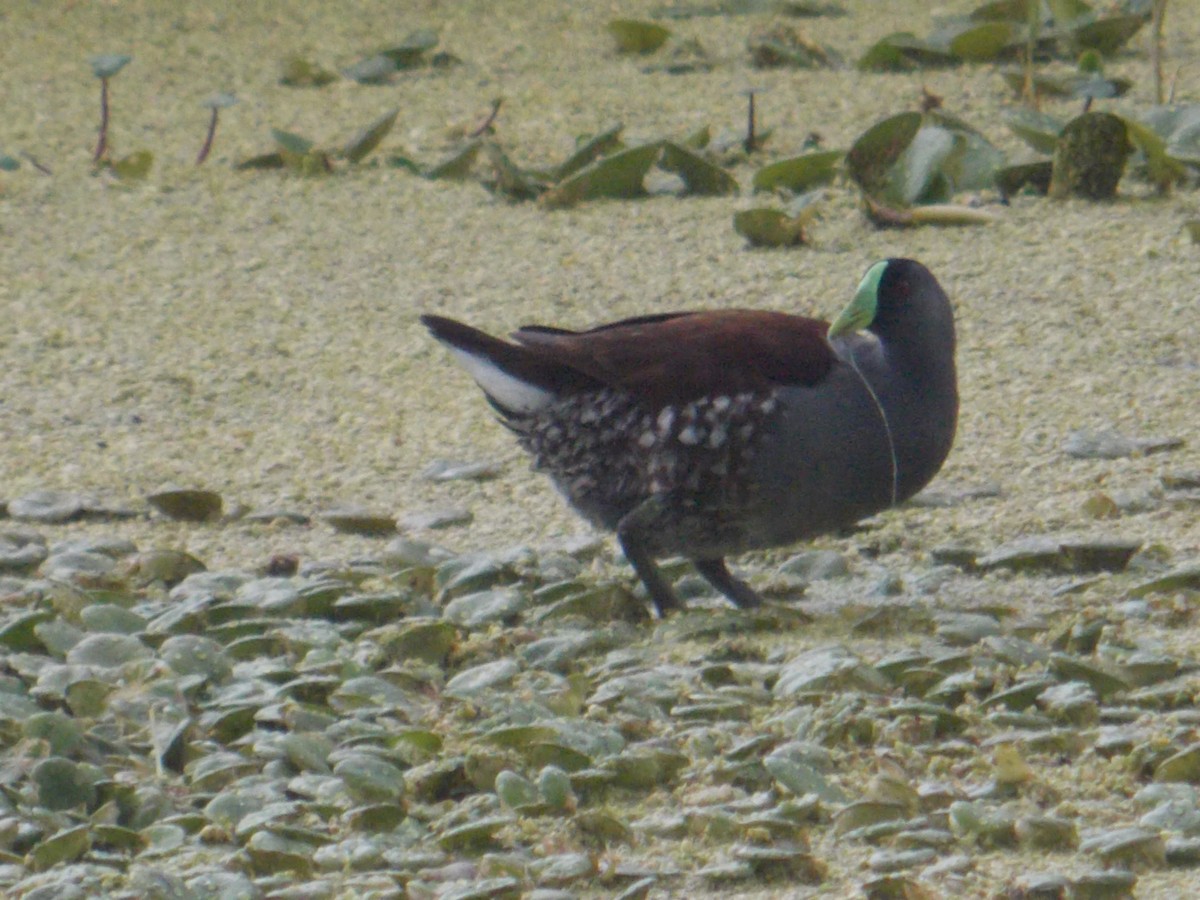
{"type": "Point", "coordinates": [255, 333]}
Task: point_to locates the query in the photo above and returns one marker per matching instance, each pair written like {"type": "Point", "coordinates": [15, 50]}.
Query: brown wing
{"type": "Point", "coordinates": [678, 357]}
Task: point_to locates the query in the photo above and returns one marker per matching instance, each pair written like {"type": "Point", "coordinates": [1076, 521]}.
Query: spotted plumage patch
{"type": "Point", "coordinates": [608, 453]}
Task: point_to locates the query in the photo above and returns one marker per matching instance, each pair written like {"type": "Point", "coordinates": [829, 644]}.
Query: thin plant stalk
{"type": "Point", "coordinates": [486, 124]}
{"type": "Point", "coordinates": [208, 138]}
{"type": "Point", "coordinates": [102, 141]}
{"type": "Point", "coordinates": [1158, 12]}
{"type": "Point", "coordinates": [1028, 89]}
{"type": "Point", "coordinates": [751, 143]}
{"type": "Point", "coordinates": [36, 163]}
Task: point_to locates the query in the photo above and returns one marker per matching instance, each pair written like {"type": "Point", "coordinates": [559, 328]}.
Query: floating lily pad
{"type": "Point", "coordinates": [63, 784]}
{"type": "Point", "coordinates": [474, 835]}
{"type": "Point", "coordinates": [411, 51]}
{"type": "Point", "coordinates": [870, 161]}
{"type": "Point", "coordinates": [370, 778]}
{"type": "Point", "coordinates": [186, 504]}
{"type": "Point", "coordinates": [588, 150]}
{"type": "Point", "coordinates": [1161, 168]}
{"type": "Point", "coordinates": [799, 173]}
{"type": "Point", "coordinates": [620, 175]}
{"type": "Point", "coordinates": [109, 64]}
{"type": "Point", "coordinates": [637, 36]}
{"type": "Point", "coordinates": [764, 227]}
{"type": "Point", "coordinates": [262, 161]}
{"type": "Point", "coordinates": [61, 847]}
{"type": "Point", "coordinates": [299, 72]}
{"type": "Point", "coordinates": [376, 69]}
{"type": "Point", "coordinates": [357, 520]}
{"type": "Point", "coordinates": [903, 51]}
{"type": "Point", "coordinates": [1181, 578]}
{"type": "Point", "coordinates": [510, 180]}
{"type": "Point", "coordinates": [700, 176]}
{"type": "Point", "coordinates": [20, 551]}
{"type": "Point", "coordinates": [1071, 84]}
{"type": "Point", "coordinates": [1108, 444]}
{"type": "Point", "coordinates": [220, 100]}
{"type": "Point", "coordinates": [1090, 157]}
{"type": "Point", "coordinates": [134, 167]}
{"type": "Point", "coordinates": [983, 41]}
{"type": "Point", "coordinates": [457, 166]}
{"type": "Point", "coordinates": [51, 507]}
{"type": "Point", "coordinates": [362, 144]}
{"type": "Point", "coordinates": [1035, 175]}
{"type": "Point", "coordinates": [1108, 34]}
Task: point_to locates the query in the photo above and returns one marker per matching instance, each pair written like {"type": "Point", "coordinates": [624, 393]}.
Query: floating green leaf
{"type": "Point", "coordinates": [698, 139]}
{"type": "Point", "coordinates": [699, 175]}
{"type": "Point", "coordinates": [1002, 11]}
{"type": "Point", "coordinates": [984, 42]}
{"type": "Point", "coordinates": [917, 176]}
{"type": "Point", "coordinates": [799, 173]}
{"type": "Point", "coordinates": [972, 162]}
{"type": "Point", "coordinates": [588, 150]}
{"type": "Point", "coordinates": [1161, 169]}
{"type": "Point", "coordinates": [262, 161]}
{"type": "Point", "coordinates": [61, 847]}
{"type": "Point", "coordinates": [1107, 34]}
{"type": "Point", "coordinates": [510, 180]}
{"type": "Point", "coordinates": [194, 504]}
{"type": "Point", "coordinates": [1011, 179]}
{"type": "Point", "coordinates": [1062, 11]}
{"type": "Point", "coordinates": [636, 36]}
{"type": "Point", "coordinates": [299, 154]}
{"type": "Point", "coordinates": [299, 72]}
{"type": "Point", "coordinates": [410, 52]}
{"type": "Point", "coordinates": [457, 165]}
{"type": "Point", "coordinates": [764, 227]}
{"type": "Point", "coordinates": [292, 143]}
{"type": "Point", "coordinates": [376, 69]}
{"type": "Point", "coordinates": [362, 144]}
{"type": "Point", "coordinates": [1089, 159]}
{"type": "Point", "coordinates": [109, 64]}
{"type": "Point", "coordinates": [809, 9]}
{"type": "Point", "coordinates": [1179, 126]}
{"type": "Point", "coordinates": [869, 162]}
{"type": "Point", "coordinates": [220, 100]}
{"type": "Point", "coordinates": [902, 52]}
{"type": "Point", "coordinates": [1074, 84]}
{"type": "Point", "coordinates": [134, 167]}
{"type": "Point", "coordinates": [620, 175]}
{"type": "Point", "coordinates": [1038, 129]}
{"type": "Point", "coordinates": [63, 784]}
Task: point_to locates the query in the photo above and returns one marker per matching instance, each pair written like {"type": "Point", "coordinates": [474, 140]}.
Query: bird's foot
{"type": "Point", "coordinates": [716, 574]}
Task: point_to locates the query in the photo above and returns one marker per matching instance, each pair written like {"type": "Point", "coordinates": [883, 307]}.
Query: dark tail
{"type": "Point", "coordinates": [496, 365]}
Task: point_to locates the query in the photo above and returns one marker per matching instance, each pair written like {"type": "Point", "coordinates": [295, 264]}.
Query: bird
{"type": "Point", "coordinates": [711, 433]}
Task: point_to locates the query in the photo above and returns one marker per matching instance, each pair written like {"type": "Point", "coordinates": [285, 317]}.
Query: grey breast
{"type": "Point", "coordinates": [825, 460]}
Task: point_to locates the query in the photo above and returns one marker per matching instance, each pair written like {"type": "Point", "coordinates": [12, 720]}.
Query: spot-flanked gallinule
{"type": "Point", "coordinates": [705, 434]}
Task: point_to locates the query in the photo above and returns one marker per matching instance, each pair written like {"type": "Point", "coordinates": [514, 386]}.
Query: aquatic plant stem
{"type": "Point", "coordinates": [1158, 13]}
{"type": "Point", "coordinates": [208, 138]}
{"type": "Point", "coordinates": [102, 142]}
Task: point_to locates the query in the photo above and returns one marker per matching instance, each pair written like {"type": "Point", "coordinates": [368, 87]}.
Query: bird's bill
{"type": "Point", "coordinates": [860, 311]}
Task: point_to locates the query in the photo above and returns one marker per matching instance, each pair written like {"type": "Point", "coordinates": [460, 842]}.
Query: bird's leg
{"type": "Point", "coordinates": [716, 574]}
{"type": "Point", "coordinates": [631, 531]}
